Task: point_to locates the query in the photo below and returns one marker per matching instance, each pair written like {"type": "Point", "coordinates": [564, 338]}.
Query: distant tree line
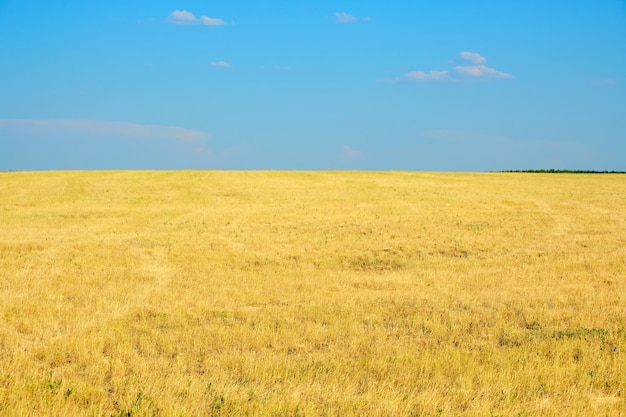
{"type": "Point", "coordinates": [563, 171]}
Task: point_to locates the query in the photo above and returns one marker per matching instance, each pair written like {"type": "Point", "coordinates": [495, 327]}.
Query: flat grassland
{"type": "Point", "coordinates": [196, 293]}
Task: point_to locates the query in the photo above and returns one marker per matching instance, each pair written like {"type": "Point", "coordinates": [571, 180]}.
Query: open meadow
{"type": "Point", "coordinates": [206, 293]}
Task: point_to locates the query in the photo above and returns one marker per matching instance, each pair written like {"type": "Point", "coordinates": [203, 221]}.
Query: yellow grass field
{"type": "Point", "coordinates": [194, 293]}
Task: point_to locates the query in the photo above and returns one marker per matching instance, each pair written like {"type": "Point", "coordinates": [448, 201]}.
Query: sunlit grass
{"type": "Point", "coordinates": [312, 293]}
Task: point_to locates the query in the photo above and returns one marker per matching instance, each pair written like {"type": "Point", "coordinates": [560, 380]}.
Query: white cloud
{"type": "Point", "coordinates": [348, 18]}
{"type": "Point", "coordinates": [463, 72]}
{"type": "Point", "coordinates": [478, 70]}
{"type": "Point", "coordinates": [350, 154]}
{"type": "Point", "coordinates": [423, 76]}
{"type": "Point", "coordinates": [221, 64]}
{"type": "Point", "coordinates": [101, 129]}
{"type": "Point", "coordinates": [212, 21]}
{"type": "Point", "coordinates": [473, 56]}
{"type": "Point", "coordinates": [182, 17]}
{"type": "Point", "coordinates": [345, 18]}
{"type": "Point", "coordinates": [481, 71]}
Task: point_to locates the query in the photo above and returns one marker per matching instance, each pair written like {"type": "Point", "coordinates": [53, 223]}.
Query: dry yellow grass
{"type": "Point", "coordinates": [308, 293]}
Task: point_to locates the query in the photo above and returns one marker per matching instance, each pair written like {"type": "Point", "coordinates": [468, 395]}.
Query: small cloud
{"type": "Point", "coordinates": [473, 56]}
{"type": "Point", "coordinates": [604, 81]}
{"type": "Point", "coordinates": [345, 18]}
{"type": "Point", "coordinates": [221, 64]}
{"type": "Point", "coordinates": [463, 72]}
{"type": "Point", "coordinates": [423, 76]}
{"type": "Point", "coordinates": [481, 71]}
{"type": "Point", "coordinates": [212, 21]}
{"type": "Point", "coordinates": [478, 70]}
{"type": "Point", "coordinates": [182, 17]}
{"type": "Point", "coordinates": [348, 18]}
{"type": "Point", "coordinates": [350, 154]}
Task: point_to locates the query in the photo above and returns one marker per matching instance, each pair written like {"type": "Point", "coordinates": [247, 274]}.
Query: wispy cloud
{"type": "Point", "coordinates": [481, 71]}
{"type": "Point", "coordinates": [350, 154]}
{"type": "Point", "coordinates": [212, 21]}
{"type": "Point", "coordinates": [221, 64]}
{"type": "Point", "coordinates": [101, 129]}
{"type": "Point", "coordinates": [461, 72]}
{"type": "Point", "coordinates": [423, 76]}
{"type": "Point", "coordinates": [183, 17]}
{"type": "Point", "coordinates": [473, 56]}
{"type": "Point", "coordinates": [95, 144]}
{"type": "Point", "coordinates": [343, 17]}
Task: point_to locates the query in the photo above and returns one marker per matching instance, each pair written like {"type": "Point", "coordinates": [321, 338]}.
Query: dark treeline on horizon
{"type": "Point", "coordinates": [533, 171]}
{"type": "Point", "coordinates": [563, 171]}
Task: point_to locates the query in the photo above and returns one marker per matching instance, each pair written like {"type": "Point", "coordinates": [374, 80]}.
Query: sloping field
{"type": "Point", "coordinates": [312, 293]}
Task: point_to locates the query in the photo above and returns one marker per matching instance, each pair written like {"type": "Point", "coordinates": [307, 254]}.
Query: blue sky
{"type": "Point", "coordinates": [404, 85]}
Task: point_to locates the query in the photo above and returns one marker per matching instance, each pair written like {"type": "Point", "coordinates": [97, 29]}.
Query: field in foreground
{"type": "Point", "coordinates": [312, 293]}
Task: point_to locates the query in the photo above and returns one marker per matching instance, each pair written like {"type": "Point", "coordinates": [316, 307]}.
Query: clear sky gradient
{"type": "Point", "coordinates": [441, 85]}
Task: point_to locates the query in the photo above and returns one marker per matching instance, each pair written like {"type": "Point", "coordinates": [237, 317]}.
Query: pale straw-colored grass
{"type": "Point", "coordinates": [312, 293]}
